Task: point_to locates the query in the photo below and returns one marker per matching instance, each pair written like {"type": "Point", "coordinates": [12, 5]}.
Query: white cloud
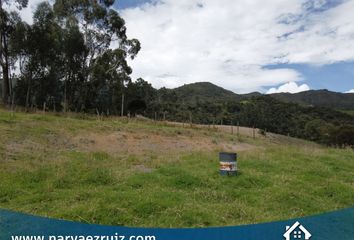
{"type": "Point", "coordinates": [350, 91]}
{"type": "Point", "coordinates": [230, 42]}
{"type": "Point", "coordinates": [290, 87]}
{"type": "Point", "coordinates": [328, 37]}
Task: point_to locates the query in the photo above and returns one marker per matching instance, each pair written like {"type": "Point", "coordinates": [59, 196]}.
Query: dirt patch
{"type": "Point", "coordinates": [142, 168]}
{"type": "Point", "coordinates": [16, 147]}
{"type": "Point", "coordinates": [135, 143]}
{"type": "Point", "coordinates": [14, 150]}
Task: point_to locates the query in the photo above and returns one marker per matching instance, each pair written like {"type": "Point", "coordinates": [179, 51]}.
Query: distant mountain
{"type": "Point", "coordinates": [319, 98]}
{"type": "Point", "coordinates": [201, 91]}
{"type": "Point", "coordinates": [207, 91]}
{"type": "Point", "coordinates": [251, 94]}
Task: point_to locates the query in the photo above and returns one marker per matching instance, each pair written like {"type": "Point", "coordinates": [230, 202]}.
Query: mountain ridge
{"type": "Point", "coordinates": [318, 98]}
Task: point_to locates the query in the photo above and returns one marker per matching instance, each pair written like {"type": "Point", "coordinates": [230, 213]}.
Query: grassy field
{"type": "Point", "coordinates": [137, 173]}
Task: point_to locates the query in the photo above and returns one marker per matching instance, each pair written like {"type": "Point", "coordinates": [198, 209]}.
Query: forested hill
{"type": "Point", "coordinates": [204, 91]}
{"type": "Point", "coordinates": [318, 98]}
{"type": "Point", "coordinates": [209, 104]}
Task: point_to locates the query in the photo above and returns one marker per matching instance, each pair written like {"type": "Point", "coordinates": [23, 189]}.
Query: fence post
{"type": "Point", "coordinates": [44, 107]}
{"type": "Point", "coordinates": [190, 119]}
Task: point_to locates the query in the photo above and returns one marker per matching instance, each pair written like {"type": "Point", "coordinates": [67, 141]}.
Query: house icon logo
{"type": "Point", "coordinates": [296, 231]}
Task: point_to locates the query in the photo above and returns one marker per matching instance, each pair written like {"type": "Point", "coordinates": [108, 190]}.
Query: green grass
{"type": "Point", "coordinates": [42, 174]}
{"type": "Point", "coordinates": [350, 112]}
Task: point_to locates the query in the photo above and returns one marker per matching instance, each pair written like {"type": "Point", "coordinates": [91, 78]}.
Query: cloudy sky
{"type": "Point", "coordinates": [244, 46]}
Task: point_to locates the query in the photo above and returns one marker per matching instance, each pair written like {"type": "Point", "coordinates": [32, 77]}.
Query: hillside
{"type": "Point", "coordinates": [319, 98]}
{"type": "Point", "coordinates": [201, 91]}
{"type": "Point", "coordinates": [205, 90]}
{"type": "Point", "coordinates": [143, 173]}
{"type": "Point", "coordinates": [206, 103]}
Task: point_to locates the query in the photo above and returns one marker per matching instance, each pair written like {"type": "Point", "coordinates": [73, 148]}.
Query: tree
{"type": "Point", "coordinates": [6, 27]}
{"type": "Point", "coordinates": [42, 63]}
{"type": "Point", "coordinates": [342, 136]}
{"type": "Point", "coordinates": [139, 95]}
{"type": "Point", "coordinates": [105, 71]}
{"type": "Point", "coordinates": [74, 52]}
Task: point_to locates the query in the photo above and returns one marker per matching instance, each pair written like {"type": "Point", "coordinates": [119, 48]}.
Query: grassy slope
{"type": "Point", "coordinates": [42, 173]}
{"type": "Point", "coordinates": [349, 112]}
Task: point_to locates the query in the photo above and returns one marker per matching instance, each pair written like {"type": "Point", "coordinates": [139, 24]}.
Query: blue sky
{"type": "Point", "coordinates": [337, 76]}
{"type": "Point", "coordinates": [243, 46]}
{"type": "Point", "coordinates": [313, 70]}
{"type": "Point", "coordinates": [121, 4]}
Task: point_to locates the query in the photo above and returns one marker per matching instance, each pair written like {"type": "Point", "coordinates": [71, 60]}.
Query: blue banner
{"type": "Point", "coordinates": [334, 225]}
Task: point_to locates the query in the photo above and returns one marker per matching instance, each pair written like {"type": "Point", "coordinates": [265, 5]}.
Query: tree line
{"type": "Point", "coordinates": [323, 125]}
{"type": "Point", "coordinates": [73, 57]}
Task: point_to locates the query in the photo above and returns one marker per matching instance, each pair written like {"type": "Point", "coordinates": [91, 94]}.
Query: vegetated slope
{"type": "Point", "coordinates": [315, 98]}
{"type": "Point", "coordinates": [201, 91]}
{"type": "Point", "coordinates": [191, 103]}
{"type": "Point", "coordinates": [350, 112]}
{"type": "Point", "coordinates": [205, 90]}
{"type": "Point", "coordinates": [142, 173]}
{"type": "Point", "coordinates": [319, 98]}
